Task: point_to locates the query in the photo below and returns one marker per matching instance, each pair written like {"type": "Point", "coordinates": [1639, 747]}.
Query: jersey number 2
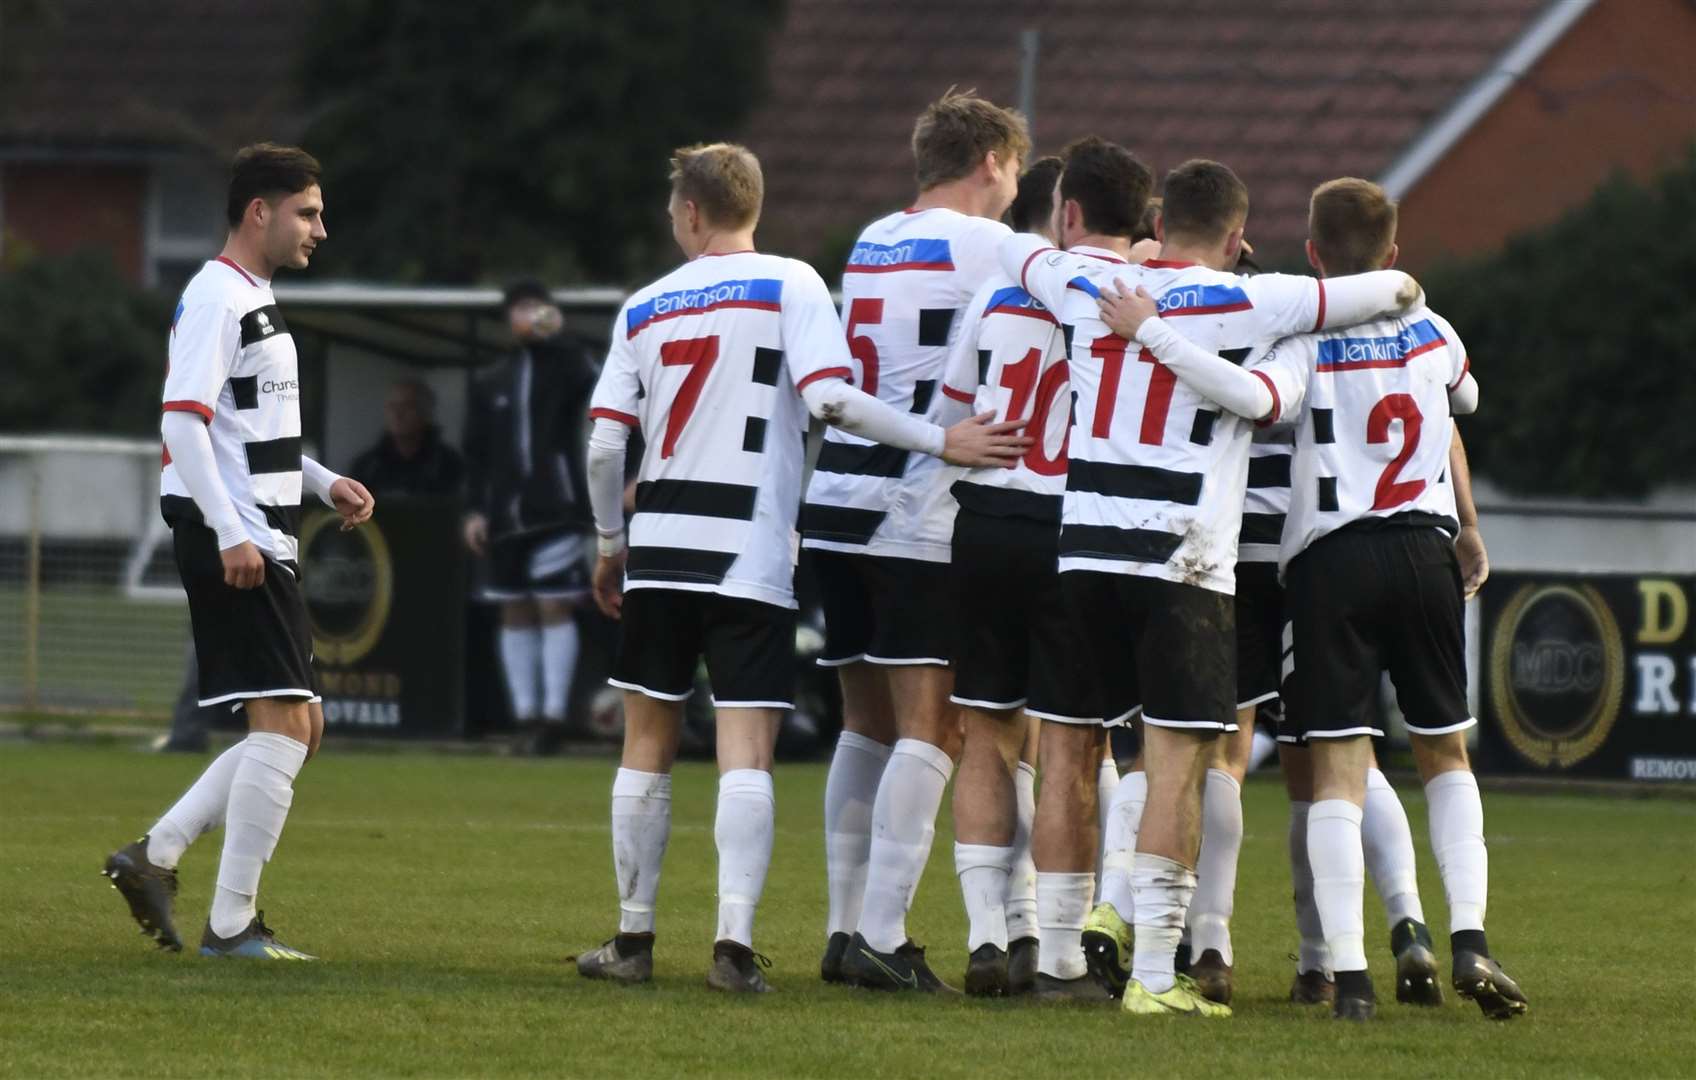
{"type": "Point", "coordinates": [698, 355]}
{"type": "Point", "coordinates": [1391, 491]}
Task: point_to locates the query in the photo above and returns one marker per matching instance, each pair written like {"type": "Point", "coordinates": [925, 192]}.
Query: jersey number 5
{"type": "Point", "coordinates": [698, 355]}
{"type": "Point", "coordinates": [1391, 491]}
{"type": "Point", "coordinates": [865, 312]}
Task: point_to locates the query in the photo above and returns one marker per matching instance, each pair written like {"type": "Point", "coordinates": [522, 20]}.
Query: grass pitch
{"type": "Point", "coordinates": [446, 891]}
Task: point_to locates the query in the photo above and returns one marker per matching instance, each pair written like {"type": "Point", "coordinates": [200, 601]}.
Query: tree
{"type": "Point", "coordinates": [463, 142]}
{"type": "Point", "coordinates": [1583, 338]}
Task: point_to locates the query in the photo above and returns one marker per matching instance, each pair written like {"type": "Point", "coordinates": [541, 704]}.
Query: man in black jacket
{"type": "Point", "coordinates": [524, 448]}
{"type": "Point", "coordinates": [411, 458]}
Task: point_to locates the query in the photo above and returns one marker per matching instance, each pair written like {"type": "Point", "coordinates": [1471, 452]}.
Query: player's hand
{"type": "Point", "coordinates": [244, 567]}
{"type": "Point", "coordinates": [1123, 310]}
{"type": "Point", "coordinates": [608, 584]}
{"type": "Point", "coordinates": [353, 502]}
{"type": "Point", "coordinates": [477, 533]}
{"type": "Point", "coordinates": [1474, 560]}
{"type": "Point", "coordinates": [978, 444]}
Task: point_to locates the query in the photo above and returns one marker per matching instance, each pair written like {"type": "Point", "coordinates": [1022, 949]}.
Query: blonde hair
{"type": "Point", "coordinates": [723, 180]}
{"type": "Point", "coordinates": [1352, 223]}
{"type": "Point", "coordinates": [952, 135]}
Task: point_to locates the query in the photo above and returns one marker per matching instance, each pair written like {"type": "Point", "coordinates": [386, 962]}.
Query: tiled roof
{"type": "Point", "coordinates": [209, 74]}
{"type": "Point", "coordinates": [1286, 92]}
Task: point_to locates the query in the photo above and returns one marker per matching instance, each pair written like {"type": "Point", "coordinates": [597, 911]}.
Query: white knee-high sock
{"type": "Point", "coordinates": [641, 825]}
{"type": "Point", "coordinates": [1216, 867]}
{"type": "Point", "coordinates": [261, 790]}
{"type": "Point", "coordinates": [1387, 842]}
{"type": "Point", "coordinates": [1457, 837]}
{"type": "Point", "coordinates": [1163, 889]}
{"type": "Point", "coordinates": [983, 870]}
{"type": "Point", "coordinates": [198, 812]}
{"type": "Point", "coordinates": [1106, 783]}
{"type": "Point", "coordinates": [560, 644]}
{"type": "Point", "coordinates": [521, 652]}
{"type": "Point", "coordinates": [1119, 843]}
{"type": "Point", "coordinates": [1062, 904]}
{"type": "Point", "coordinates": [850, 789]}
{"type": "Point", "coordinates": [1314, 955]}
{"type": "Point", "coordinates": [903, 826]}
{"type": "Point", "coordinates": [1021, 882]}
{"type": "Point", "coordinates": [747, 818]}
{"type": "Point", "coordinates": [1339, 879]}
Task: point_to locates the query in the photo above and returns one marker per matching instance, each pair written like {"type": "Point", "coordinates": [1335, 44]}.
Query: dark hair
{"type": "Point", "coordinates": [1108, 183]}
{"type": "Point", "coordinates": [1352, 223]}
{"type": "Point", "coordinates": [1145, 225]}
{"type": "Point", "coordinates": [1203, 200]}
{"type": "Point", "coordinates": [1033, 206]}
{"type": "Point", "coordinates": [952, 135]}
{"type": "Point", "coordinates": [525, 289]}
{"type": "Point", "coordinates": [266, 171]}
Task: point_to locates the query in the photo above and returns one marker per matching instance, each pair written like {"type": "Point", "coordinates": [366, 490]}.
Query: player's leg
{"type": "Point", "coordinates": [521, 657]}
{"type": "Point", "coordinates": [1216, 864]}
{"type": "Point", "coordinates": [561, 645]}
{"type": "Point", "coordinates": [1023, 925]}
{"type": "Point", "coordinates": [1065, 849]}
{"type": "Point", "coordinates": [1106, 785]}
{"type": "Point", "coordinates": [862, 750]}
{"type": "Point", "coordinates": [1313, 984]}
{"type": "Point", "coordinates": [1388, 843]}
{"type": "Point", "coordinates": [985, 835]}
{"type": "Point", "coordinates": [558, 577]}
{"type": "Point", "coordinates": [1427, 665]}
{"type": "Point", "coordinates": [1339, 866]}
{"type": "Point", "coordinates": [658, 645]}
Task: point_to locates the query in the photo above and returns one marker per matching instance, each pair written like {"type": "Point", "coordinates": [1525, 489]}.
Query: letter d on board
{"type": "Point", "coordinates": [1666, 610]}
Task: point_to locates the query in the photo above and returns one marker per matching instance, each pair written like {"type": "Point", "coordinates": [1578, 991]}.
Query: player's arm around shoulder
{"type": "Point", "coordinates": [1462, 385]}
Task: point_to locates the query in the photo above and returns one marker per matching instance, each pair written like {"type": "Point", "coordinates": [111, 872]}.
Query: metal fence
{"type": "Point", "coordinates": [92, 618]}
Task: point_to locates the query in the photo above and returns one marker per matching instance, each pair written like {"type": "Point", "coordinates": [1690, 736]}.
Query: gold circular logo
{"type": "Point", "coordinates": [348, 579]}
{"type": "Point", "coordinates": [1557, 673]}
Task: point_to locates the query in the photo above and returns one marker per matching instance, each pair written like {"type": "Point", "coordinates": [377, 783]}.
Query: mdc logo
{"type": "Point", "coordinates": [1557, 672]}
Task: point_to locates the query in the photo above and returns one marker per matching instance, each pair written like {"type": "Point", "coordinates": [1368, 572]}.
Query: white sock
{"type": "Point", "coordinates": [1021, 882]}
{"type": "Point", "coordinates": [1106, 783]}
{"type": "Point", "coordinates": [559, 667]}
{"type": "Point", "coordinates": [198, 812]}
{"type": "Point", "coordinates": [747, 815]}
{"type": "Point", "coordinates": [903, 826]}
{"type": "Point", "coordinates": [1119, 843]}
{"type": "Point", "coordinates": [1457, 838]}
{"type": "Point", "coordinates": [850, 788]}
{"type": "Point", "coordinates": [521, 651]}
{"type": "Point", "coordinates": [1314, 955]}
{"type": "Point", "coordinates": [1163, 889]}
{"type": "Point", "coordinates": [1216, 868]}
{"type": "Point", "coordinates": [1387, 842]}
{"type": "Point", "coordinates": [983, 870]}
{"type": "Point", "coordinates": [1062, 904]}
{"type": "Point", "coordinates": [1260, 748]}
{"type": "Point", "coordinates": [1339, 879]}
{"type": "Point", "coordinates": [261, 789]}
{"type": "Point", "coordinates": [641, 825]}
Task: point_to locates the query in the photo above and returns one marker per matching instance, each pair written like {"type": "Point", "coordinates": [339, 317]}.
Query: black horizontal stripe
{"type": "Point", "coordinates": [1124, 545]}
{"type": "Point", "coordinates": [767, 364]}
{"type": "Point", "coordinates": [285, 519]}
{"type": "Point", "coordinates": [698, 498]}
{"type": "Point", "coordinates": [262, 324]}
{"type": "Point", "coordinates": [245, 390]}
{"type": "Point", "coordinates": [690, 565]}
{"type": "Point", "coordinates": [1268, 472]}
{"type": "Point", "coordinates": [754, 435]}
{"type": "Point", "coordinates": [923, 391]}
{"type": "Point", "coordinates": [1201, 432]}
{"type": "Point", "coordinates": [1262, 529]}
{"type": "Point", "coordinates": [1323, 431]}
{"type": "Point", "coordinates": [1327, 494]}
{"type": "Point", "coordinates": [934, 324]}
{"type": "Point", "coordinates": [1134, 481]}
{"type": "Point", "coordinates": [274, 456]}
{"type": "Point", "coordinates": [857, 460]}
{"type": "Point", "coordinates": [1007, 502]}
{"type": "Point", "coordinates": [840, 524]}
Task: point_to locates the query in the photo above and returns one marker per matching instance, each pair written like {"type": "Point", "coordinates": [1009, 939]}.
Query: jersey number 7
{"type": "Point", "coordinates": [698, 355]}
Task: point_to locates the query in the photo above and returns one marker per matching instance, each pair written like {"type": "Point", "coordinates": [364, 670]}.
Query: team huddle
{"type": "Point", "coordinates": [1083, 472]}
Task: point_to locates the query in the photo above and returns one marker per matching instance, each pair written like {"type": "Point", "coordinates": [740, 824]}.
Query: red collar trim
{"type": "Point", "coordinates": [233, 265]}
{"type": "Point", "coordinates": [1166, 264]}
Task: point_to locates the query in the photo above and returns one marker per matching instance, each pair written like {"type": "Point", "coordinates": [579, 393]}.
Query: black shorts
{"type": "Point", "coordinates": [1166, 648]}
{"type": "Point", "coordinates": [248, 643]}
{"type": "Point", "coordinates": [1369, 598]}
{"type": "Point", "coordinates": [884, 610]}
{"type": "Point", "coordinates": [1017, 644]}
{"type": "Point", "coordinates": [749, 647]}
{"type": "Point", "coordinates": [548, 564]}
{"type": "Point", "coordinates": [1260, 637]}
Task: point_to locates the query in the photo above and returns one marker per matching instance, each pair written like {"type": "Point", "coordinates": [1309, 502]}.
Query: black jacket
{"type": "Point", "coordinates": [526, 433]}
{"type": "Point", "coordinates": [437, 468]}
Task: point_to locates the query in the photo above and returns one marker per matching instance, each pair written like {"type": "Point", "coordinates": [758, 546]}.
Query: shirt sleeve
{"type": "Point", "coordinates": [1287, 303]}
{"type": "Point", "coordinates": [1285, 369]}
{"type": "Point", "coordinates": [618, 392]}
{"type": "Point", "coordinates": [1043, 270]}
{"type": "Point", "coordinates": [977, 258]}
{"type": "Point", "coordinates": [813, 345]}
{"type": "Point", "coordinates": [205, 341]}
{"type": "Point", "coordinates": [960, 374]}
